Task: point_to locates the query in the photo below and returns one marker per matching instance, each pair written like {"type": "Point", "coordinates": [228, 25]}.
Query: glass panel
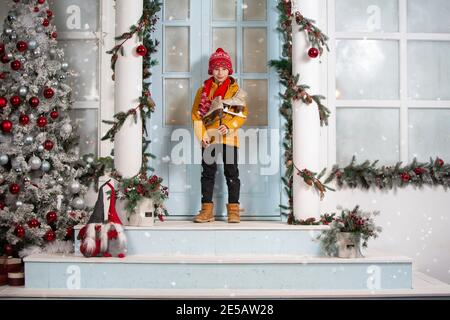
{"type": "Point", "coordinates": [429, 70]}
{"type": "Point", "coordinates": [225, 38]}
{"type": "Point", "coordinates": [177, 101]}
{"type": "Point", "coordinates": [256, 102]}
{"type": "Point", "coordinates": [176, 9]}
{"type": "Point", "coordinates": [75, 15]}
{"type": "Point", "coordinates": [254, 9]}
{"type": "Point", "coordinates": [255, 50]}
{"type": "Point", "coordinates": [368, 134]}
{"type": "Point", "coordinates": [429, 134]}
{"type": "Point", "coordinates": [367, 15]}
{"type": "Point", "coordinates": [82, 56]}
{"type": "Point", "coordinates": [367, 69]}
{"type": "Point", "coordinates": [177, 49]}
{"type": "Point", "coordinates": [224, 10]}
{"type": "Point", "coordinates": [428, 16]}
{"type": "Point", "coordinates": [86, 120]}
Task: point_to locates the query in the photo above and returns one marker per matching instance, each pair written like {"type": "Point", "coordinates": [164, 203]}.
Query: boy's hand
{"type": "Point", "coordinates": [223, 129]}
{"type": "Point", "coordinates": [206, 142]}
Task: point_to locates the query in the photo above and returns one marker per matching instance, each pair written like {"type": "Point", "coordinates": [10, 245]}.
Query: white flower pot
{"type": "Point", "coordinates": [144, 216]}
{"type": "Point", "coordinates": [349, 245]}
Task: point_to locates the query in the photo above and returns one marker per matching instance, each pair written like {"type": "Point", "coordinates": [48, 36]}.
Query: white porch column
{"type": "Point", "coordinates": [306, 123]}
{"type": "Point", "coordinates": [128, 89]}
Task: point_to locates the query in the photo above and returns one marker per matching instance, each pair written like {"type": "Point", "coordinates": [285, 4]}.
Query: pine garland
{"type": "Point", "coordinates": [294, 91]}
{"type": "Point", "coordinates": [367, 175]}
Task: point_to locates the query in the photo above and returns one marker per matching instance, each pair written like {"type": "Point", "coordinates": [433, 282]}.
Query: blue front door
{"type": "Point", "coordinates": [189, 31]}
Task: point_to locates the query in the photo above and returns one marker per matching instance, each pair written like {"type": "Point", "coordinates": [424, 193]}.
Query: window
{"type": "Point", "coordinates": [389, 80]}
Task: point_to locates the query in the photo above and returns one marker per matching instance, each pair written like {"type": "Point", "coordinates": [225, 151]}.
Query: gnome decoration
{"type": "Point", "coordinates": [117, 241]}
{"type": "Point", "coordinates": [103, 238]}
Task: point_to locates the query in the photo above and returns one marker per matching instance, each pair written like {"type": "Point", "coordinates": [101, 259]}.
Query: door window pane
{"type": "Point", "coordinates": [429, 70]}
{"type": "Point", "coordinates": [177, 102]}
{"type": "Point", "coordinates": [367, 15]}
{"type": "Point", "coordinates": [224, 10]}
{"type": "Point", "coordinates": [428, 16]}
{"type": "Point", "coordinates": [176, 9]}
{"type": "Point", "coordinates": [367, 69]}
{"type": "Point", "coordinates": [255, 50]}
{"type": "Point", "coordinates": [254, 9]}
{"type": "Point", "coordinates": [429, 134]}
{"type": "Point", "coordinates": [177, 49]}
{"type": "Point", "coordinates": [225, 38]}
{"type": "Point", "coordinates": [82, 56]}
{"type": "Point", "coordinates": [368, 134]}
{"type": "Point", "coordinates": [86, 120]}
{"type": "Point", "coordinates": [256, 102]}
{"type": "Point", "coordinates": [75, 15]}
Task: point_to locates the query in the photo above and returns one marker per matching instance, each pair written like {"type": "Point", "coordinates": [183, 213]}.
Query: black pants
{"type": "Point", "coordinates": [231, 171]}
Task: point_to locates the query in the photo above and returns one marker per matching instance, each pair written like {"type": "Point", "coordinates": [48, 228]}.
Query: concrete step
{"type": "Point", "coordinates": [221, 238]}
{"type": "Point", "coordinates": [266, 272]}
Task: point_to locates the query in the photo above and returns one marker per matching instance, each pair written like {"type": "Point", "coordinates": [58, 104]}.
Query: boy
{"type": "Point", "coordinates": [218, 136]}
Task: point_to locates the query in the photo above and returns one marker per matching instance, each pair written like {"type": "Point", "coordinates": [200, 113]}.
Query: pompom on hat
{"type": "Point", "coordinates": [220, 58]}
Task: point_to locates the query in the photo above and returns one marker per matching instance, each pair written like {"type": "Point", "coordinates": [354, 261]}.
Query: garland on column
{"type": "Point", "coordinates": [294, 91]}
{"type": "Point", "coordinates": [135, 188]}
{"type": "Point", "coordinates": [367, 175]}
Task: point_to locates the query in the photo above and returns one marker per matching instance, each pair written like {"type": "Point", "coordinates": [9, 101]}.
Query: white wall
{"type": "Point", "coordinates": [415, 223]}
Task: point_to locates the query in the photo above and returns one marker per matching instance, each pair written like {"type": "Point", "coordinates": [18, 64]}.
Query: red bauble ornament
{"type": "Point", "coordinates": [51, 216]}
{"type": "Point", "coordinates": [69, 232]}
{"type": "Point", "coordinates": [3, 75]}
{"type": "Point", "coordinates": [34, 223]}
{"type": "Point", "coordinates": [6, 126]}
{"type": "Point", "coordinates": [36, 9]}
{"type": "Point", "coordinates": [41, 122]}
{"type": "Point", "coordinates": [49, 93]}
{"type": "Point", "coordinates": [54, 35]}
{"type": "Point", "coordinates": [405, 177]}
{"type": "Point", "coordinates": [2, 48]}
{"type": "Point", "coordinates": [15, 101]}
{"type": "Point", "coordinates": [14, 188]}
{"type": "Point", "coordinates": [313, 53]}
{"type": "Point", "coordinates": [34, 102]}
{"type": "Point", "coordinates": [49, 14]}
{"type": "Point", "coordinates": [54, 114]}
{"type": "Point", "coordinates": [2, 205]}
{"type": "Point", "coordinates": [440, 162]}
{"type": "Point", "coordinates": [8, 249]}
{"type": "Point", "coordinates": [21, 46]}
{"type": "Point", "coordinates": [4, 59]}
{"type": "Point", "coordinates": [19, 231]}
{"type": "Point", "coordinates": [16, 65]}
{"type": "Point", "coordinates": [3, 102]}
{"type": "Point", "coordinates": [41, 1]}
{"type": "Point", "coordinates": [45, 22]}
{"type": "Point", "coordinates": [24, 119]}
{"type": "Point", "coordinates": [141, 50]}
{"type": "Point", "coordinates": [48, 145]}
{"type": "Point", "coordinates": [49, 236]}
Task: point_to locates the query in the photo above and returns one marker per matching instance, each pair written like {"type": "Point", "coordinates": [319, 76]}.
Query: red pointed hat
{"type": "Point", "coordinates": [112, 213]}
{"type": "Point", "coordinates": [220, 58]}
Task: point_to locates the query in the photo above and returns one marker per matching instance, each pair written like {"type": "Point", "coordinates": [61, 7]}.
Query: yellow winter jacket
{"type": "Point", "coordinates": [232, 122]}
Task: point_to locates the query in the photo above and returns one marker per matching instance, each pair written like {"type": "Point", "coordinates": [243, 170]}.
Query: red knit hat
{"type": "Point", "coordinates": [220, 58]}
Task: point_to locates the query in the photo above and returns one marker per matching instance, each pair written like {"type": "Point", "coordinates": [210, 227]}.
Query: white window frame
{"type": "Point", "coordinates": [403, 104]}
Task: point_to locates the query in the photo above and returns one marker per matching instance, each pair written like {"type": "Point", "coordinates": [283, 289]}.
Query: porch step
{"type": "Point", "coordinates": [218, 272]}
{"type": "Point", "coordinates": [221, 239]}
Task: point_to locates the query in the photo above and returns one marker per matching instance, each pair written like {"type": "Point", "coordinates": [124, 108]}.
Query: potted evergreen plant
{"type": "Point", "coordinates": [349, 231]}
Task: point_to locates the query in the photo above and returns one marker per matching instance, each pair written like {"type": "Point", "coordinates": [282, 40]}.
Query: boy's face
{"type": "Point", "coordinates": [220, 74]}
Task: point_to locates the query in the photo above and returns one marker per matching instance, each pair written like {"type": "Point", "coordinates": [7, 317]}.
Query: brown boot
{"type": "Point", "coordinates": [206, 214]}
{"type": "Point", "coordinates": [233, 212]}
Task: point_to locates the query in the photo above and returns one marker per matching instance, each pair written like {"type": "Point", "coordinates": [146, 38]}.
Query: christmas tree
{"type": "Point", "coordinates": [41, 194]}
